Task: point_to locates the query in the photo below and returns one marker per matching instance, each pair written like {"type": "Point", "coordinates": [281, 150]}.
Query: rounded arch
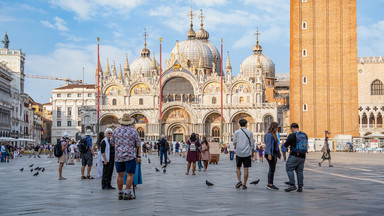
{"type": "Point", "coordinates": [177, 131]}
{"type": "Point", "coordinates": [113, 89]}
{"type": "Point", "coordinates": [238, 87]}
{"type": "Point", "coordinates": [178, 89]}
{"type": "Point", "coordinates": [267, 120]}
{"type": "Point", "coordinates": [140, 88]}
{"type": "Point", "coordinates": [241, 112]}
{"type": "Point", "coordinates": [176, 113]}
{"type": "Point", "coordinates": [368, 133]}
{"type": "Point", "coordinates": [210, 114]}
{"type": "Point", "coordinates": [364, 119]}
{"type": "Point", "coordinates": [109, 121]}
{"type": "Point", "coordinates": [139, 118]}
{"type": "Point", "coordinates": [175, 105]}
{"type": "Point", "coordinates": [212, 87]}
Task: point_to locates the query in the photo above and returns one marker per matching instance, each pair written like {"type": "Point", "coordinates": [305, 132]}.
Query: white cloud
{"type": "Point", "coordinates": [208, 3]}
{"type": "Point", "coordinates": [59, 24]}
{"type": "Point", "coordinates": [86, 9]}
{"type": "Point", "coordinates": [68, 60]}
{"type": "Point", "coordinates": [5, 18]}
{"type": "Point", "coordinates": [371, 39]}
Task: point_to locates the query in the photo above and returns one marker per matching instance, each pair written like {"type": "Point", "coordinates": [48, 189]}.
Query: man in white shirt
{"type": "Point", "coordinates": [231, 150]}
{"type": "Point", "coordinates": [243, 142]}
{"type": "Point", "coordinates": [72, 149]}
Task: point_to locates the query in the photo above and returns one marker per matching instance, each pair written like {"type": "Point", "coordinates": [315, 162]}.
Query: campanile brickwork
{"type": "Point", "coordinates": [323, 67]}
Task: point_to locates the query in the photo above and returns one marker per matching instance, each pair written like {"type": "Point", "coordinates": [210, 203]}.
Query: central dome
{"type": "Point", "coordinates": [192, 49]}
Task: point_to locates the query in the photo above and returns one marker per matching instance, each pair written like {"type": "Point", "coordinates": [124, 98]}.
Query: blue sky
{"type": "Point", "coordinates": [59, 36]}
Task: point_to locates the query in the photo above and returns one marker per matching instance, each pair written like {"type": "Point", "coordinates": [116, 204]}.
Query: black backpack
{"type": "Point", "coordinates": [83, 147]}
{"type": "Point", "coordinates": [58, 150]}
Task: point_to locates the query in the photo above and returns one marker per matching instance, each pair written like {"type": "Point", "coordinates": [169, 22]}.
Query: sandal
{"type": "Point", "coordinates": [90, 177]}
{"type": "Point", "coordinates": [330, 165]}
{"type": "Point", "coordinates": [244, 187]}
{"type": "Point", "coordinates": [83, 177]}
{"type": "Point", "coordinates": [238, 185]}
{"type": "Point", "coordinates": [186, 173]}
{"type": "Point", "coordinates": [319, 164]}
{"type": "Point", "coordinates": [193, 173]}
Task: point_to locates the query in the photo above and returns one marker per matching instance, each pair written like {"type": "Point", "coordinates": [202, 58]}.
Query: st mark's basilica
{"type": "Point", "coordinates": [190, 92]}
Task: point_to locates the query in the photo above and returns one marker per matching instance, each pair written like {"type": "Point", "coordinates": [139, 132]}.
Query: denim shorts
{"type": "Point", "coordinates": [126, 166]}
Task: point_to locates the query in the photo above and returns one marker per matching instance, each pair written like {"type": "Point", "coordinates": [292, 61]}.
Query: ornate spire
{"type": "Point", "coordinates": [126, 67]}
{"type": "Point", "coordinates": [154, 67]}
{"type": "Point", "coordinates": [202, 17]}
{"type": "Point", "coordinates": [100, 71]}
{"type": "Point", "coordinates": [114, 69]}
{"type": "Point", "coordinates": [121, 74]}
{"type": "Point", "coordinates": [145, 51]}
{"type": "Point", "coordinates": [191, 33]}
{"type": "Point", "coordinates": [6, 41]}
{"type": "Point", "coordinates": [201, 61]}
{"type": "Point", "coordinates": [228, 65]}
{"type": "Point", "coordinates": [257, 48]}
{"type": "Point", "coordinates": [107, 70]}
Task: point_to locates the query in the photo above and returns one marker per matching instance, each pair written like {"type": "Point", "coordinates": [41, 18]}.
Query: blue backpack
{"type": "Point", "coordinates": [301, 143]}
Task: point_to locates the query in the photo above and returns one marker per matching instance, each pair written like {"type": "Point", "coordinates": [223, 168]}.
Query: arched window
{"type": "Point", "coordinates": [241, 99]}
{"type": "Point", "coordinates": [304, 53]}
{"type": "Point", "coordinates": [304, 25]}
{"type": "Point", "coordinates": [214, 100]}
{"type": "Point", "coordinates": [216, 132]}
{"type": "Point", "coordinates": [114, 102]}
{"type": "Point", "coordinates": [377, 88]}
{"type": "Point", "coordinates": [372, 120]}
{"type": "Point", "coordinates": [364, 119]}
{"type": "Point", "coordinates": [141, 101]}
{"type": "Point", "coordinates": [141, 132]}
{"type": "Point", "coordinates": [379, 120]}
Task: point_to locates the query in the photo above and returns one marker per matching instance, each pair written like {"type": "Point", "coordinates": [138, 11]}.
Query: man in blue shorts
{"type": "Point", "coordinates": [127, 153]}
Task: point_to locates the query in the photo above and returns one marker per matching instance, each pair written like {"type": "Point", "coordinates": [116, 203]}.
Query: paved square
{"type": "Point", "coordinates": [355, 186]}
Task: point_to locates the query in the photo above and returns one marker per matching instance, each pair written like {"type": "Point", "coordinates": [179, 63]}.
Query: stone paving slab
{"type": "Point", "coordinates": [355, 186]}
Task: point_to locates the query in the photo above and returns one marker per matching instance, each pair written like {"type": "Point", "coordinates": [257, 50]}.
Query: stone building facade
{"type": "Point", "coordinates": [190, 92]}
{"type": "Point", "coordinates": [5, 101]}
{"type": "Point", "coordinates": [14, 60]}
{"type": "Point", "coordinates": [67, 104]}
{"type": "Point", "coordinates": [371, 95]}
{"type": "Point", "coordinates": [323, 67]}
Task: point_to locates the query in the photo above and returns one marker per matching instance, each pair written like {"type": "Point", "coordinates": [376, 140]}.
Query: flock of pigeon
{"type": "Point", "coordinates": [42, 169]}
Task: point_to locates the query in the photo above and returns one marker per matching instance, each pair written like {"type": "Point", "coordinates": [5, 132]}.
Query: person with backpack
{"type": "Point", "coordinates": [193, 153]}
{"type": "Point", "coordinates": [243, 142]}
{"type": "Point", "coordinates": [272, 152]}
{"type": "Point", "coordinates": [298, 143]}
{"type": "Point", "coordinates": [87, 154]}
{"type": "Point", "coordinates": [60, 152]}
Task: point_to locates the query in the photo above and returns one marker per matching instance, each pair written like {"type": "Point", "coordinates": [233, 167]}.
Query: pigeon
{"type": "Point", "coordinates": [43, 169]}
{"type": "Point", "coordinates": [22, 169]}
{"type": "Point", "coordinates": [31, 165]}
{"type": "Point", "coordinates": [255, 182]}
{"type": "Point", "coordinates": [36, 174]}
{"type": "Point", "coordinates": [164, 171]}
{"type": "Point", "coordinates": [37, 168]}
{"type": "Point", "coordinates": [31, 170]}
{"type": "Point", "coordinates": [208, 183]}
{"type": "Point", "coordinates": [40, 168]}
{"type": "Point", "coordinates": [149, 161]}
{"type": "Point", "coordinates": [157, 170]}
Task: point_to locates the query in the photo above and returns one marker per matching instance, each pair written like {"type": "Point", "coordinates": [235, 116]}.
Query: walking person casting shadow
{"type": "Point", "coordinates": [326, 153]}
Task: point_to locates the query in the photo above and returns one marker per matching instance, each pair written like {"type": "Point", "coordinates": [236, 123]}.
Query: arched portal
{"type": "Point", "coordinates": [236, 119]}
{"type": "Point", "coordinates": [109, 121]}
{"type": "Point", "coordinates": [140, 124]}
{"type": "Point", "coordinates": [173, 117]}
{"type": "Point", "coordinates": [212, 127]}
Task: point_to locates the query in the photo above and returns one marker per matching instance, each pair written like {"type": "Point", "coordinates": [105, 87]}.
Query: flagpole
{"type": "Point", "coordinates": [160, 39]}
{"type": "Point", "coordinates": [221, 94]}
{"type": "Point", "coordinates": [98, 89]}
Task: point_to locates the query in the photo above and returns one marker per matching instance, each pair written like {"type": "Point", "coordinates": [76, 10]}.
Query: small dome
{"type": "Point", "coordinates": [145, 51]}
{"type": "Point", "coordinates": [142, 65]}
{"type": "Point", "coordinates": [249, 65]}
{"type": "Point", "coordinates": [257, 48]}
{"type": "Point", "coordinates": [202, 34]}
{"type": "Point", "coordinates": [191, 33]}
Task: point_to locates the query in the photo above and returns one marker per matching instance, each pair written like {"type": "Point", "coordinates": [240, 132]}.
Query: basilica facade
{"type": "Point", "coordinates": [190, 92]}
